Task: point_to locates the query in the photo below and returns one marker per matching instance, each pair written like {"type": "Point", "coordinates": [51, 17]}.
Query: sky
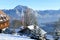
{"type": "Point", "coordinates": [34, 4]}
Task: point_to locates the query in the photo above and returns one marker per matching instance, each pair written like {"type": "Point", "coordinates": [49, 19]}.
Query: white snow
{"type": "Point", "coordinates": [1, 20]}
{"type": "Point", "coordinates": [50, 37]}
{"type": "Point", "coordinates": [13, 37]}
{"type": "Point", "coordinates": [31, 27]}
{"type": "Point", "coordinates": [42, 31]}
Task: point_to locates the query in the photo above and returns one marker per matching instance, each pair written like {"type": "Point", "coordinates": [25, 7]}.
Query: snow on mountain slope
{"type": "Point", "coordinates": [13, 37]}
{"type": "Point", "coordinates": [43, 16]}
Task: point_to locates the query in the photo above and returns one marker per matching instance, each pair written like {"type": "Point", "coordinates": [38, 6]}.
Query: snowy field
{"type": "Point", "coordinates": [13, 37]}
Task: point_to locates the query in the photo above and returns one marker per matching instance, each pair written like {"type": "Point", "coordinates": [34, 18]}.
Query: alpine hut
{"type": "Point", "coordinates": [4, 20]}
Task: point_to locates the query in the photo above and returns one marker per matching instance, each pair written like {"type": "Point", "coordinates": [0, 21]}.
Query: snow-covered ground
{"type": "Point", "coordinates": [50, 37]}
{"type": "Point", "coordinates": [13, 37]}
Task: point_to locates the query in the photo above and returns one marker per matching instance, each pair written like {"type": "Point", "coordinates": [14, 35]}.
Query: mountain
{"type": "Point", "coordinates": [16, 12]}
{"type": "Point", "coordinates": [42, 16]}
{"type": "Point", "coordinates": [20, 7]}
{"type": "Point", "coordinates": [49, 15]}
{"type": "Point", "coordinates": [51, 12]}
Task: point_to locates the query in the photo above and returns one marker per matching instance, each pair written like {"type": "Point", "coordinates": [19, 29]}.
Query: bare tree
{"type": "Point", "coordinates": [29, 17]}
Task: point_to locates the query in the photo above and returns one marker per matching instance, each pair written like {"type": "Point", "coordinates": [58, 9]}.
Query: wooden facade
{"type": "Point", "coordinates": [4, 20]}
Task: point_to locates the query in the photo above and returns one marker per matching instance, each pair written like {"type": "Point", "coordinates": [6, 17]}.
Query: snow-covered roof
{"type": "Point", "coordinates": [31, 27]}
{"type": "Point", "coordinates": [43, 32]}
{"type": "Point", "coordinates": [3, 18]}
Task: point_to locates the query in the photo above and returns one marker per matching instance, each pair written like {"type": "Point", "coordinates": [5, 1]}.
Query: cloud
{"type": "Point", "coordinates": [49, 16]}
{"type": "Point", "coordinates": [44, 16]}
